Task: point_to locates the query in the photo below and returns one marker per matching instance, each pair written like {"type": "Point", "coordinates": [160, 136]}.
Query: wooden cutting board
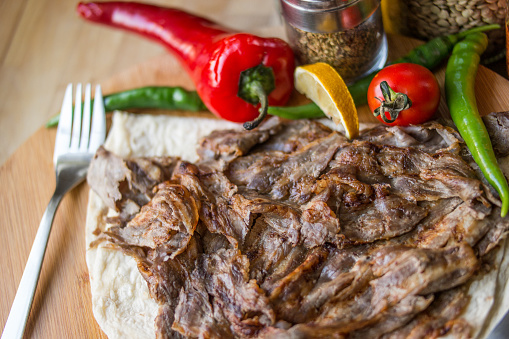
{"type": "Point", "coordinates": [62, 307]}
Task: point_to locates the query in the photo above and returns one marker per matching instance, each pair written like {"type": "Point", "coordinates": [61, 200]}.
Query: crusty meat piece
{"type": "Point", "coordinates": [287, 294]}
{"type": "Point", "coordinates": [243, 303]}
{"type": "Point", "coordinates": [395, 317]}
{"type": "Point", "coordinates": [375, 190]}
{"type": "Point", "coordinates": [168, 221]}
{"type": "Point", "coordinates": [438, 320]}
{"type": "Point", "coordinates": [403, 271]}
{"type": "Point", "coordinates": [285, 176]}
{"type": "Point", "coordinates": [430, 137]}
{"type": "Point", "coordinates": [398, 273]}
{"type": "Point", "coordinates": [126, 185]}
{"type": "Point", "coordinates": [413, 174]}
{"type": "Point", "coordinates": [230, 144]}
{"type": "Point", "coordinates": [419, 176]}
{"type": "Point", "coordinates": [312, 225]}
{"type": "Point", "coordinates": [462, 225]}
{"type": "Point", "coordinates": [293, 135]}
{"type": "Point", "coordinates": [275, 134]}
{"type": "Point", "coordinates": [345, 273]}
{"type": "Point", "coordinates": [196, 317]}
{"type": "Point", "coordinates": [155, 267]}
{"type": "Point", "coordinates": [219, 211]}
{"type": "Point", "coordinates": [265, 248]}
{"type": "Point", "coordinates": [385, 217]}
{"type": "Point", "coordinates": [497, 125]}
{"type": "Point", "coordinates": [497, 229]}
{"type": "Point", "coordinates": [295, 256]}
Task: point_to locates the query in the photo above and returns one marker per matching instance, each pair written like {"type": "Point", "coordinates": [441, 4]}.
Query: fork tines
{"type": "Point", "coordinates": [80, 130]}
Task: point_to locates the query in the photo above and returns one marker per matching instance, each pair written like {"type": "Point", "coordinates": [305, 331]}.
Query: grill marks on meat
{"type": "Point", "coordinates": [220, 286]}
{"type": "Point", "coordinates": [438, 319]}
{"type": "Point", "coordinates": [292, 231]}
{"type": "Point", "coordinates": [392, 280]}
{"type": "Point", "coordinates": [168, 221]}
{"type": "Point", "coordinates": [430, 137]}
{"type": "Point", "coordinates": [284, 176]}
{"type": "Point", "coordinates": [243, 303]}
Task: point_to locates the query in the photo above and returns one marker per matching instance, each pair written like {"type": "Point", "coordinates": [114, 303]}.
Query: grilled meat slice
{"type": "Point", "coordinates": [157, 270]}
{"type": "Point", "coordinates": [294, 135]}
{"type": "Point", "coordinates": [196, 317]}
{"type": "Point", "coordinates": [242, 302]}
{"type": "Point", "coordinates": [293, 231]}
{"type": "Point", "coordinates": [395, 317]}
{"type": "Point", "coordinates": [168, 221]}
{"type": "Point", "coordinates": [398, 274]}
{"type": "Point", "coordinates": [220, 212]}
{"type": "Point", "coordinates": [438, 319]}
{"type": "Point", "coordinates": [387, 216]}
{"type": "Point", "coordinates": [285, 176]}
{"type": "Point", "coordinates": [430, 137]}
{"type": "Point", "coordinates": [126, 185]}
{"type": "Point", "coordinates": [227, 145]}
{"type": "Point", "coordinates": [266, 249]}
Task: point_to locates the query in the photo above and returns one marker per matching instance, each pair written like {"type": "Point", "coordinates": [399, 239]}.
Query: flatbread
{"type": "Point", "coordinates": [121, 302]}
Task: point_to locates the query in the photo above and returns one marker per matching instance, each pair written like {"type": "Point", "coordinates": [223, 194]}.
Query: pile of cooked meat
{"type": "Point", "coordinates": [291, 230]}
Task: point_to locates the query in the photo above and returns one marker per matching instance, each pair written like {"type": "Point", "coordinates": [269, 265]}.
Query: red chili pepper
{"type": "Point", "coordinates": [237, 75]}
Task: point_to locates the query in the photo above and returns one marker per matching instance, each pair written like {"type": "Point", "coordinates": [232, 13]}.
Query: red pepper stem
{"type": "Point", "coordinates": [264, 106]}
{"type": "Point", "coordinates": [393, 103]}
{"type": "Point", "coordinates": [255, 85]}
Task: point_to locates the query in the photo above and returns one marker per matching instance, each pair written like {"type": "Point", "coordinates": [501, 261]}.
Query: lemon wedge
{"type": "Point", "coordinates": [324, 86]}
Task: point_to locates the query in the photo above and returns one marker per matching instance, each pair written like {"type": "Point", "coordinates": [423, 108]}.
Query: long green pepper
{"type": "Point", "coordinates": [460, 95]}
{"type": "Point", "coordinates": [158, 97]}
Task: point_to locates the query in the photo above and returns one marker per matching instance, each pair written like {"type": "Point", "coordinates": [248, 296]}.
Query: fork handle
{"type": "Point", "coordinates": [18, 316]}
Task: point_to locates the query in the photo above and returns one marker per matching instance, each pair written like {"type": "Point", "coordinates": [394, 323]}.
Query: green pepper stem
{"type": "Point", "coordinates": [479, 29]}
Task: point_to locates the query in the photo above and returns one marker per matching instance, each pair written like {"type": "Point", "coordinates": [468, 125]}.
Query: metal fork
{"type": "Point", "coordinates": [78, 137]}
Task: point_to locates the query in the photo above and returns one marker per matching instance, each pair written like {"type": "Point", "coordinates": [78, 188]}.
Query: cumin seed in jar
{"type": "Point", "coordinates": [345, 36]}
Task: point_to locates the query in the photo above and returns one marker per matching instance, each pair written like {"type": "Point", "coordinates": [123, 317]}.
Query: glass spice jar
{"type": "Point", "coordinates": [347, 34]}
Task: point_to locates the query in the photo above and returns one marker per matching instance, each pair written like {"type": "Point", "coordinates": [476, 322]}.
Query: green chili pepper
{"type": "Point", "coordinates": [459, 89]}
{"type": "Point", "coordinates": [307, 111]}
{"type": "Point", "coordinates": [155, 97]}
{"type": "Point", "coordinates": [158, 97]}
{"type": "Point", "coordinates": [430, 55]}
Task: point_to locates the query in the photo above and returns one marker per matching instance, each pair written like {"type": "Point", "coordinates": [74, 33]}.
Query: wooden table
{"type": "Point", "coordinates": [43, 49]}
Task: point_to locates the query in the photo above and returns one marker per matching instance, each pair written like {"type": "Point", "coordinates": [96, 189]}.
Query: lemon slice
{"type": "Point", "coordinates": [325, 87]}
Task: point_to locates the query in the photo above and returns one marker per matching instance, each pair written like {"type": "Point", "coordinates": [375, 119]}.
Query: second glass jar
{"type": "Point", "coordinates": [347, 34]}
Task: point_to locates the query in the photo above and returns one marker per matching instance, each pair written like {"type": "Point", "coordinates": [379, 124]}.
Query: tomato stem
{"type": "Point", "coordinates": [392, 104]}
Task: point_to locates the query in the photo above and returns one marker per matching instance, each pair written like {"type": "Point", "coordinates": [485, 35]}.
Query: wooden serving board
{"type": "Point", "coordinates": [62, 306]}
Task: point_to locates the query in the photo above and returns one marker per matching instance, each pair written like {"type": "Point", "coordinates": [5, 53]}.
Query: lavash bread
{"type": "Point", "coordinates": [120, 299]}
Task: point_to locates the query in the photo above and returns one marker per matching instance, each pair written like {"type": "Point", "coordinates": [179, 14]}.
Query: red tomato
{"type": "Point", "coordinates": [412, 80]}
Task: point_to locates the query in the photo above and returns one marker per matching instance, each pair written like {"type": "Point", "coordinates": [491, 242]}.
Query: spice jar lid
{"type": "Point", "coordinates": [327, 16]}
